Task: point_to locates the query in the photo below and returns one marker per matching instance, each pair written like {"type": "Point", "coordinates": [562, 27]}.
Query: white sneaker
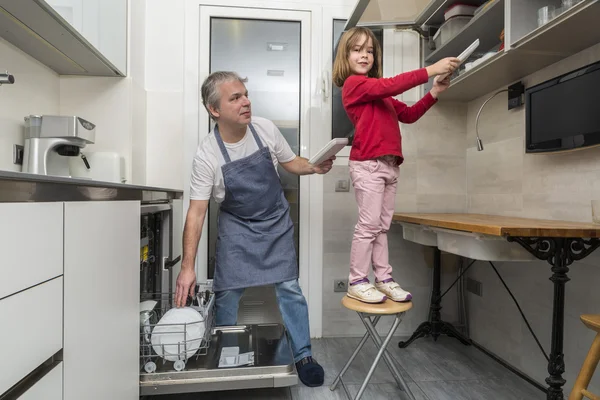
{"type": "Point", "coordinates": [366, 293]}
{"type": "Point", "coordinates": [393, 291]}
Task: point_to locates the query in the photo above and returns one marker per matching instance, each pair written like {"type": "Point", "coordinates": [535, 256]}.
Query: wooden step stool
{"type": "Point", "coordinates": [590, 363]}
{"type": "Point", "coordinates": [376, 311]}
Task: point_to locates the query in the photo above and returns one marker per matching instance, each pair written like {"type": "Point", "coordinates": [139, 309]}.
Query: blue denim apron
{"type": "Point", "coordinates": [255, 242]}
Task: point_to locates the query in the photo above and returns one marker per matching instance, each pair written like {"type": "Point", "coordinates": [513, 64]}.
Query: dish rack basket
{"type": "Point", "coordinates": [204, 303]}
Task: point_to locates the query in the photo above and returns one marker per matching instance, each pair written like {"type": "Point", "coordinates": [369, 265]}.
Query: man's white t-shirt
{"type": "Point", "coordinates": [207, 178]}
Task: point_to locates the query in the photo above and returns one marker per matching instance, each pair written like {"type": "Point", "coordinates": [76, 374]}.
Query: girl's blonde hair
{"type": "Point", "coordinates": [341, 66]}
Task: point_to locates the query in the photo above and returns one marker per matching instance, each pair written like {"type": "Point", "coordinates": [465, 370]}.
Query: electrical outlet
{"type": "Point", "coordinates": [475, 287]}
{"type": "Point", "coordinates": [18, 154]}
{"type": "Point", "coordinates": [342, 185]}
{"type": "Point", "coordinates": [340, 285]}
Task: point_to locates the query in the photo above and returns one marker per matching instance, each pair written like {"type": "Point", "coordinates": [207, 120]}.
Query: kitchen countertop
{"type": "Point", "coordinates": [23, 187]}
{"type": "Point", "coordinates": [502, 226]}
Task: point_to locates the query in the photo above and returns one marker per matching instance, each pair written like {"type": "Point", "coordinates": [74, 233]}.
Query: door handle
{"type": "Point", "coordinates": [168, 264]}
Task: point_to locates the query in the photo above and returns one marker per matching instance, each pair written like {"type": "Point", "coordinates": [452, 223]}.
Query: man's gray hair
{"type": "Point", "coordinates": [210, 88]}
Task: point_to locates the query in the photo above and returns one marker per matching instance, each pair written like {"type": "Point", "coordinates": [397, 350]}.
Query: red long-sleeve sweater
{"type": "Point", "coordinates": [375, 113]}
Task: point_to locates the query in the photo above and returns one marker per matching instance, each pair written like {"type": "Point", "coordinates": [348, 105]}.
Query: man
{"type": "Point", "coordinates": [236, 164]}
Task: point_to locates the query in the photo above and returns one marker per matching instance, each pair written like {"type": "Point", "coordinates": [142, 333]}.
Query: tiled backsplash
{"type": "Point", "coordinates": [504, 180]}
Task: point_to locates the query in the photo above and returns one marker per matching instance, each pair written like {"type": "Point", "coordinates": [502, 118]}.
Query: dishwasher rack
{"type": "Point", "coordinates": [150, 361]}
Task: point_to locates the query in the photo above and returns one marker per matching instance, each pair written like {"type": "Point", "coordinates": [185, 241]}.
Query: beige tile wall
{"type": "Point", "coordinates": [432, 179]}
{"type": "Point", "coordinates": [504, 180]}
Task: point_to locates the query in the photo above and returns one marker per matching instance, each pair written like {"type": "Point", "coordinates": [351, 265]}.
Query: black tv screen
{"type": "Point", "coordinates": [564, 113]}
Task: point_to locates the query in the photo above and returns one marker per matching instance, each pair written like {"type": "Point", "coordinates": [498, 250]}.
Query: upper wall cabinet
{"type": "Point", "coordinates": [517, 37]}
{"type": "Point", "coordinates": [72, 37]}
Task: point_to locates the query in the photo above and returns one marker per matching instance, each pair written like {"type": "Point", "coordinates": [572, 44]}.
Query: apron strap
{"type": "Point", "coordinates": [259, 142]}
{"type": "Point", "coordinates": [221, 145]}
{"type": "Point", "coordinates": [224, 152]}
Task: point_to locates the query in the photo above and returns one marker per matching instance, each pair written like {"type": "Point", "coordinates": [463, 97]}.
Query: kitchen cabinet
{"type": "Point", "coordinates": [72, 37]}
{"type": "Point", "coordinates": [32, 245]}
{"type": "Point", "coordinates": [101, 300]}
{"type": "Point", "coordinates": [527, 46]}
{"type": "Point", "coordinates": [32, 323]}
{"type": "Point", "coordinates": [49, 387]}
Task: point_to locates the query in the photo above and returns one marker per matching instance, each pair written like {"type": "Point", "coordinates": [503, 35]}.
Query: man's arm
{"type": "Point", "coordinates": [301, 166]}
{"type": "Point", "coordinates": [186, 282]}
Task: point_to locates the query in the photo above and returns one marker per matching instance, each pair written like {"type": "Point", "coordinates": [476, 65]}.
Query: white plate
{"type": "Point", "coordinates": [178, 334]}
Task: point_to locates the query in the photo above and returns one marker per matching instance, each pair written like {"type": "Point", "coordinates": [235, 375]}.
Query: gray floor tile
{"type": "Point", "coordinates": [383, 391]}
{"type": "Point", "coordinates": [480, 389]}
{"type": "Point", "coordinates": [333, 353]}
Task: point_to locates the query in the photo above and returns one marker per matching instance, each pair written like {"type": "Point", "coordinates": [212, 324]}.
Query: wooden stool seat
{"type": "Point", "coordinates": [591, 321]}
{"type": "Point", "coordinates": [388, 307]}
{"type": "Point", "coordinates": [580, 388]}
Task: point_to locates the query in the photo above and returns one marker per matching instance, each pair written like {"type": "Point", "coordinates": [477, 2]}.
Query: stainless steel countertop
{"type": "Point", "coordinates": [23, 187]}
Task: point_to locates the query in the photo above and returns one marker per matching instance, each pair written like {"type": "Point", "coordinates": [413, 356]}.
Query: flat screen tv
{"type": "Point", "coordinates": [564, 113]}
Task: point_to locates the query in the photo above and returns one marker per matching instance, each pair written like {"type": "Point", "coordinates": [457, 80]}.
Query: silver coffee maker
{"type": "Point", "coordinates": [51, 139]}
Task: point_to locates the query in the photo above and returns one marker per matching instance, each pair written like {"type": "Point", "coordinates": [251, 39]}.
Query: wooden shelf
{"type": "Point", "coordinates": [562, 37]}
{"type": "Point", "coordinates": [485, 26]}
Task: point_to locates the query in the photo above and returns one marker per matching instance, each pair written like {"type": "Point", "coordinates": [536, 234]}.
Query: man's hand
{"type": "Point", "coordinates": [301, 166]}
{"type": "Point", "coordinates": [324, 167]}
{"type": "Point", "coordinates": [186, 284]}
{"type": "Point", "coordinates": [439, 85]}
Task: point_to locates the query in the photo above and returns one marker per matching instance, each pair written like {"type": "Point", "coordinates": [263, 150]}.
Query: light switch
{"type": "Point", "coordinates": [342, 185]}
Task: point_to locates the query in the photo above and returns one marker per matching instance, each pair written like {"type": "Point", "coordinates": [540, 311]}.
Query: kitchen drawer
{"type": "Point", "coordinates": [50, 387]}
{"type": "Point", "coordinates": [31, 326]}
{"type": "Point", "coordinates": [31, 244]}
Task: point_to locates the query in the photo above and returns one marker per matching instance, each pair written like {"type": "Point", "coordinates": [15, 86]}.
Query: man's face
{"type": "Point", "coordinates": [234, 107]}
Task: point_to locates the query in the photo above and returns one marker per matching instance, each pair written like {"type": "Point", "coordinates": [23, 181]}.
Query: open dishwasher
{"type": "Point", "coordinates": [204, 357]}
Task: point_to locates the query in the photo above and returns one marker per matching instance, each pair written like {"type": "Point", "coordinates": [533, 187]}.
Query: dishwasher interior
{"type": "Point", "coordinates": [204, 357]}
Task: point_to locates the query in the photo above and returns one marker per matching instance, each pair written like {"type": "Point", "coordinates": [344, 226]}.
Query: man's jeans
{"type": "Point", "coordinates": [292, 306]}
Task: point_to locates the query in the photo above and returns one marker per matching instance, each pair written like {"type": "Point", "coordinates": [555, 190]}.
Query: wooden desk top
{"type": "Point", "coordinates": [503, 226]}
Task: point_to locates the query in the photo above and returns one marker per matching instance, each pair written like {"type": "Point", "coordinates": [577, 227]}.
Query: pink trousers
{"type": "Point", "coordinates": [375, 183]}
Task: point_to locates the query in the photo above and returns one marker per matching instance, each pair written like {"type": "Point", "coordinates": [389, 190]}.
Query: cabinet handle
{"type": "Point", "coordinates": [325, 85]}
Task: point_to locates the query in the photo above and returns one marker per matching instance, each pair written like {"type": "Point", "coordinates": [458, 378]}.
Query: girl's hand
{"type": "Point", "coordinates": [439, 85]}
{"type": "Point", "coordinates": [444, 66]}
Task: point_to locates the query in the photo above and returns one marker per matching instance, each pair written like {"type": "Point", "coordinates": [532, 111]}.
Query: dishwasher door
{"type": "Point", "coordinates": [265, 349]}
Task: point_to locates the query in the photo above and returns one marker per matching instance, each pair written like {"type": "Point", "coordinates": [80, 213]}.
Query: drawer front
{"type": "Point", "coordinates": [50, 387]}
{"type": "Point", "coordinates": [31, 330]}
{"type": "Point", "coordinates": [31, 244]}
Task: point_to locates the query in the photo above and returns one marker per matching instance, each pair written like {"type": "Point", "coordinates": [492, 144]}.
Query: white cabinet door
{"type": "Point", "coordinates": [50, 387]}
{"type": "Point", "coordinates": [31, 244]}
{"type": "Point", "coordinates": [101, 300]}
{"type": "Point", "coordinates": [30, 330]}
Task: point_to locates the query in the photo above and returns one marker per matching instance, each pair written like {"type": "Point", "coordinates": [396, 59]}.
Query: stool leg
{"type": "Point", "coordinates": [379, 353]}
{"type": "Point", "coordinates": [386, 355]}
{"type": "Point", "coordinates": [353, 356]}
{"type": "Point", "coordinates": [587, 370]}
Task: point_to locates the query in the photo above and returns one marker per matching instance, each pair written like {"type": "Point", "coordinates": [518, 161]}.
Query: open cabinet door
{"type": "Point", "coordinates": [393, 13]}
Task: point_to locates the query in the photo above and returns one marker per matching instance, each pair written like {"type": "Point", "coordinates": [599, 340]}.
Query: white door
{"type": "Point", "coordinates": [270, 47]}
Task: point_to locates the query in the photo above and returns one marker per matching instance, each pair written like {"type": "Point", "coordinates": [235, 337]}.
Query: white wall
{"type": "Point", "coordinates": [35, 91]}
{"type": "Point", "coordinates": [504, 180]}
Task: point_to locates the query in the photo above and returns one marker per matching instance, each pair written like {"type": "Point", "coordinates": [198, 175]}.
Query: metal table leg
{"type": "Point", "coordinates": [559, 253]}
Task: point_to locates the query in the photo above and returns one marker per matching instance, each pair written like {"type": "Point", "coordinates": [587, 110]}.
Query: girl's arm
{"type": "Point", "coordinates": [410, 114]}
{"type": "Point", "coordinates": [360, 89]}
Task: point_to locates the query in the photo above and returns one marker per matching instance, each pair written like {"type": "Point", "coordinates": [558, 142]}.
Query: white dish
{"type": "Point", "coordinates": [330, 150]}
{"type": "Point", "coordinates": [178, 334]}
{"type": "Point", "coordinates": [464, 56]}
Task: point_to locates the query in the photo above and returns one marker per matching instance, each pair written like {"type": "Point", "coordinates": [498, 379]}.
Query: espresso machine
{"type": "Point", "coordinates": [51, 139]}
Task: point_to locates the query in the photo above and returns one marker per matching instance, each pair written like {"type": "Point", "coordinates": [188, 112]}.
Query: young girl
{"type": "Point", "coordinates": [377, 151]}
